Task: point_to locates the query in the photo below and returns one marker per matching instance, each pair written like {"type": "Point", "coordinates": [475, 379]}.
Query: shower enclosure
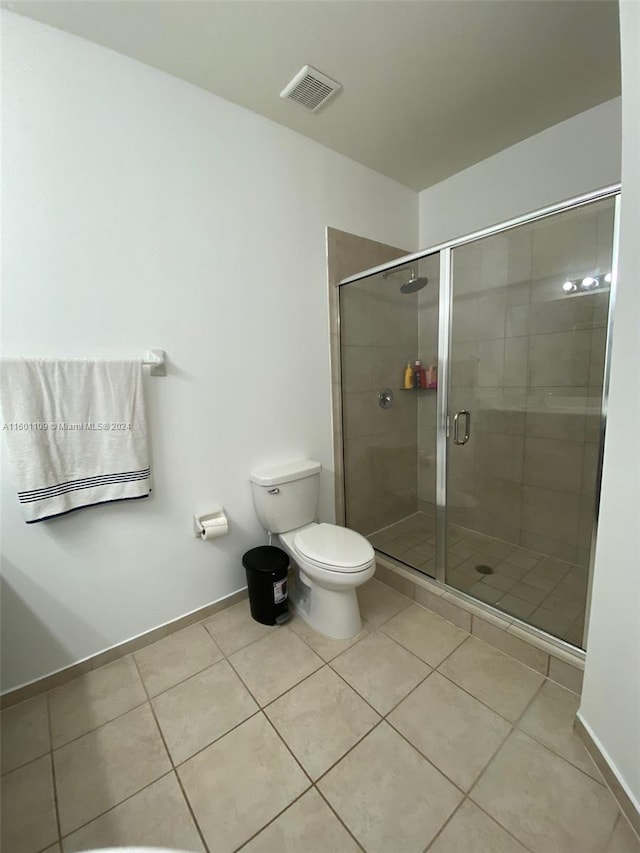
{"type": "Point", "coordinates": [487, 479]}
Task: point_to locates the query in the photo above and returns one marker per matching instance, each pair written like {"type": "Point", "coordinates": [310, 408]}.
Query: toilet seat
{"type": "Point", "coordinates": [333, 548]}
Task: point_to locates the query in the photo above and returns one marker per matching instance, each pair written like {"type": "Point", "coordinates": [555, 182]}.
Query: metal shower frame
{"type": "Point", "coordinates": [444, 364]}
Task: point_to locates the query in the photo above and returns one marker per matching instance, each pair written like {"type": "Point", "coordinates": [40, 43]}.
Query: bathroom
{"type": "Point", "coordinates": [143, 211]}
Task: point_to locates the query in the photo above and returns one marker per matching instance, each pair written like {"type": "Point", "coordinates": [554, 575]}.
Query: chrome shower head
{"type": "Point", "coordinates": [415, 283]}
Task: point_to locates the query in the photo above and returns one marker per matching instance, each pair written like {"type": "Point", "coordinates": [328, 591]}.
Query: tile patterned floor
{"type": "Point", "coordinates": [543, 591]}
{"type": "Point", "coordinates": [230, 735]}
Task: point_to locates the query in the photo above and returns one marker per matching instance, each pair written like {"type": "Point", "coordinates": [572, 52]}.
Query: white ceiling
{"type": "Point", "coordinates": [430, 87]}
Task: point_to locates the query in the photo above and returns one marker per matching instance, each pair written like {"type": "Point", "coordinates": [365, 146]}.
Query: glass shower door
{"type": "Point", "coordinates": [388, 320]}
{"type": "Point", "coordinates": [529, 310]}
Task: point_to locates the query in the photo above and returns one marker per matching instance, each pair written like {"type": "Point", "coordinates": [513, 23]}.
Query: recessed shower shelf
{"type": "Point", "coordinates": [431, 388]}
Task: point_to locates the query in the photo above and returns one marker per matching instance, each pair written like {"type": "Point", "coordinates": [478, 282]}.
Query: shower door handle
{"type": "Point", "coordinates": [456, 427]}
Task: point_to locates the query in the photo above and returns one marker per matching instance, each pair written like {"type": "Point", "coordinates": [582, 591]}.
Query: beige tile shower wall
{"type": "Point", "coordinates": [379, 446]}
{"type": "Point", "coordinates": [379, 332]}
{"type": "Point", "coordinates": [527, 361]}
{"type": "Point", "coordinates": [566, 351]}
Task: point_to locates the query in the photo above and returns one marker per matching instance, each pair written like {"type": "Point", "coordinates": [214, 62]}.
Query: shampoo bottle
{"type": "Point", "coordinates": [408, 376]}
{"type": "Point", "coordinates": [416, 373]}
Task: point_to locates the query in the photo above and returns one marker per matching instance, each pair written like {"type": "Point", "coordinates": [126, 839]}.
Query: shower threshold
{"type": "Point", "coordinates": [538, 589]}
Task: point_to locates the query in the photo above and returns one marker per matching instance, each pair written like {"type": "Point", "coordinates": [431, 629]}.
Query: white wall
{"type": "Point", "coordinates": [611, 696]}
{"type": "Point", "coordinates": [566, 160]}
{"type": "Point", "coordinates": [140, 211]}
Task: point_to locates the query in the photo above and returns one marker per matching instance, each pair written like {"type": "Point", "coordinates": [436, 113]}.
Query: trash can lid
{"type": "Point", "coordinates": [266, 558]}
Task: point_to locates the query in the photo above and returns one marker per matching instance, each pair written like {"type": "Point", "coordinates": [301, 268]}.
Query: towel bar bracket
{"type": "Point", "coordinates": [156, 361]}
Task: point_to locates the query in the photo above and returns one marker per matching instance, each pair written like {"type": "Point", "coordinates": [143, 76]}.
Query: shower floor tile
{"type": "Point", "coordinates": [544, 591]}
{"type": "Point", "coordinates": [391, 773]}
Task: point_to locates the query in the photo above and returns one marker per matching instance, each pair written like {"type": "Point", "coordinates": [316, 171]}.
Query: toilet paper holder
{"type": "Point", "coordinates": [213, 521]}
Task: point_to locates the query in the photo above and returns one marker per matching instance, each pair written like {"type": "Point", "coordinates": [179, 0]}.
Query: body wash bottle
{"type": "Point", "coordinates": [408, 377]}
{"type": "Point", "coordinates": [416, 373]}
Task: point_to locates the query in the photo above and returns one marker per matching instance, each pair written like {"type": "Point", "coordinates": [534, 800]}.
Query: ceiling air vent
{"type": "Point", "coordinates": [310, 88]}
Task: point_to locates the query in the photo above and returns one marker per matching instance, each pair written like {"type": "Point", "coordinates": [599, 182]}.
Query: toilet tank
{"type": "Point", "coordinates": [286, 496]}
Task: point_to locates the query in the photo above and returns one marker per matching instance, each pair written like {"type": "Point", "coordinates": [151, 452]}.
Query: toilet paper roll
{"type": "Point", "coordinates": [213, 528]}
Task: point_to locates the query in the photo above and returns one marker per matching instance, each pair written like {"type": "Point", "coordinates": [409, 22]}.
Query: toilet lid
{"type": "Point", "coordinates": [333, 546]}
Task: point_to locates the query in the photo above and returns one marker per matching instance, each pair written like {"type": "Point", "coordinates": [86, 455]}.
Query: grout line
{"type": "Point", "coordinates": [484, 771]}
{"type": "Point", "coordinates": [405, 648]}
{"type": "Point", "coordinates": [511, 657]}
{"type": "Point", "coordinates": [384, 718]}
{"type": "Point", "coordinates": [439, 769]}
{"type": "Point", "coordinates": [340, 819]}
{"type": "Point", "coordinates": [449, 653]}
{"type": "Point", "coordinates": [464, 689]}
{"type": "Point", "coordinates": [433, 669]}
{"type": "Point", "coordinates": [314, 783]}
{"type": "Point", "coordinates": [359, 695]}
{"type": "Point", "coordinates": [251, 643]}
{"type": "Point", "coordinates": [98, 727]}
{"type": "Point", "coordinates": [325, 660]}
{"type": "Point", "coordinates": [30, 761]}
{"type": "Point", "coordinates": [216, 739]}
{"type": "Point", "coordinates": [191, 811]}
{"type": "Point", "coordinates": [503, 828]}
{"type": "Point", "coordinates": [514, 726]}
{"type": "Point", "coordinates": [171, 761]}
{"type": "Point", "coordinates": [112, 808]}
{"type": "Point", "coordinates": [350, 750]}
{"type": "Point", "coordinates": [289, 750]}
{"type": "Point", "coordinates": [258, 709]}
{"type": "Point", "coordinates": [566, 760]}
{"type": "Point", "coordinates": [293, 687]}
{"type": "Point", "coordinates": [165, 690]}
{"type": "Point", "coordinates": [150, 698]}
{"type": "Point", "coordinates": [381, 719]}
{"type": "Point", "coordinates": [613, 829]}
{"type": "Point", "coordinates": [251, 693]}
{"type": "Point", "coordinates": [502, 743]}
{"type": "Point", "coordinates": [428, 760]}
{"type": "Point", "coordinates": [54, 782]}
{"type": "Point", "coordinates": [546, 746]}
{"type": "Point", "coordinates": [445, 824]}
{"type": "Point", "coordinates": [49, 846]}
{"type": "Point", "coordinates": [33, 761]}
{"type": "Point", "coordinates": [272, 820]}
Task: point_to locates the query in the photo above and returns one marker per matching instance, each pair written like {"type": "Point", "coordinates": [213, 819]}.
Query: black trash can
{"type": "Point", "coordinates": [267, 568]}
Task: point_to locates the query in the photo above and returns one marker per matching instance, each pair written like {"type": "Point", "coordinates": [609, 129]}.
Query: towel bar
{"type": "Point", "coordinates": [156, 361]}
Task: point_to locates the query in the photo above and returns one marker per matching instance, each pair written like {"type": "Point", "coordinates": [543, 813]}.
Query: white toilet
{"type": "Point", "coordinates": [331, 561]}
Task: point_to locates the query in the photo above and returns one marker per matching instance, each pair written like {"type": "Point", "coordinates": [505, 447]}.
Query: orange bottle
{"type": "Point", "coordinates": [408, 377]}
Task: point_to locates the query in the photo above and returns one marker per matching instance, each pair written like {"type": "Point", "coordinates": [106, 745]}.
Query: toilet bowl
{"type": "Point", "coordinates": [329, 561]}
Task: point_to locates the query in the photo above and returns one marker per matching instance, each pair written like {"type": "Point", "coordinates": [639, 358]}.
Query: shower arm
{"type": "Point", "coordinates": [395, 270]}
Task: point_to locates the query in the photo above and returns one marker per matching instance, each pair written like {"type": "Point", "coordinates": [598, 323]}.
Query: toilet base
{"type": "Point", "coordinates": [332, 612]}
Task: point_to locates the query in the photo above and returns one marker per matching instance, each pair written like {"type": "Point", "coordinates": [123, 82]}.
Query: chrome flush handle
{"type": "Point", "coordinates": [273, 491]}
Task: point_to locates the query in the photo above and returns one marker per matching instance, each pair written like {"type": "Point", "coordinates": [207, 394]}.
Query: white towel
{"type": "Point", "coordinates": [76, 433]}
